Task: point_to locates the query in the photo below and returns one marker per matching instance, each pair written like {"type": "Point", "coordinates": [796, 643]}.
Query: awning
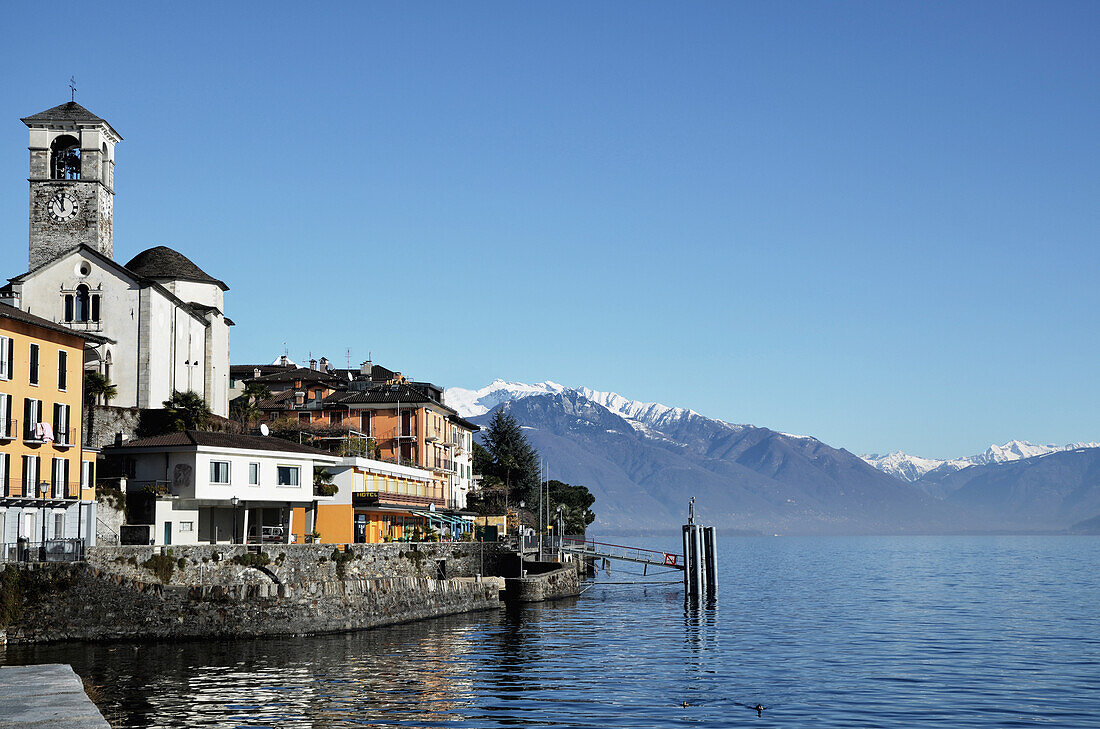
{"type": "Point", "coordinates": [457, 523]}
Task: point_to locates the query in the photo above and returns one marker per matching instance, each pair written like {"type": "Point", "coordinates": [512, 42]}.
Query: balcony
{"type": "Point", "coordinates": [64, 439]}
{"type": "Point", "coordinates": [157, 488]}
{"type": "Point", "coordinates": [442, 464]}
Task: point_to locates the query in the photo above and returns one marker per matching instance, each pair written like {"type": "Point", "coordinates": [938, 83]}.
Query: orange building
{"type": "Point", "coordinates": [48, 481]}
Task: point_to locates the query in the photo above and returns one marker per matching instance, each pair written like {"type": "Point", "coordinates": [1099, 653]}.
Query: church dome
{"type": "Point", "coordinates": [161, 262]}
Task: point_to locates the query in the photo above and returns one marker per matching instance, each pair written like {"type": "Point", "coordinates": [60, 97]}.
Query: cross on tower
{"type": "Point", "coordinates": [72, 88]}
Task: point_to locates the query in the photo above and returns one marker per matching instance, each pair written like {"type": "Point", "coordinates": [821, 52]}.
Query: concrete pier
{"type": "Point", "coordinates": [50, 695]}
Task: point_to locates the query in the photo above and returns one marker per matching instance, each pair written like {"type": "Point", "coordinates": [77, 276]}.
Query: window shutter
{"type": "Point", "coordinates": [65, 481]}
{"type": "Point", "coordinates": [11, 358]}
{"type": "Point", "coordinates": [68, 307]}
{"type": "Point", "coordinates": [95, 307]}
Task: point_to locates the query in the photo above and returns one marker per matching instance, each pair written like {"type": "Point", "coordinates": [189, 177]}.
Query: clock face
{"type": "Point", "coordinates": [63, 207]}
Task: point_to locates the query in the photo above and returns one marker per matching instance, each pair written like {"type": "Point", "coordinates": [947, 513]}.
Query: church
{"type": "Point", "coordinates": [162, 318]}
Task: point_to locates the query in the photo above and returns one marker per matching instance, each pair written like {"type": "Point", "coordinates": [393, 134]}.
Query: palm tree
{"type": "Point", "coordinates": [96, 386]}
{"type": "Point", "coordinates": [186, 411]}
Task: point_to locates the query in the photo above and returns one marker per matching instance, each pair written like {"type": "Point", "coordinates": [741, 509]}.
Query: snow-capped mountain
{"type": "Point", "coordinates": [915, 468]}
{"type": "Point", "coordinates": [471, 403]}
{"type": "Point", "coordinates": [643, 461]}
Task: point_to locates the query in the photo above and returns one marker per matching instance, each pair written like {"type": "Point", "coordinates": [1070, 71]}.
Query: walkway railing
{"type": "Point", "coordinates": [53, 550]}
{"type": "Point", "coordinates": [618, 551]}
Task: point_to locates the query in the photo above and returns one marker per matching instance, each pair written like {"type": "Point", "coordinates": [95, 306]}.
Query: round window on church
{"type": "Point", "coordinates": [83, 269]}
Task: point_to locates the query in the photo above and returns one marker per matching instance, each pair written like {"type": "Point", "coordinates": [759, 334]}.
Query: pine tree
{"type": "Point", "coordinates": [512, 458]}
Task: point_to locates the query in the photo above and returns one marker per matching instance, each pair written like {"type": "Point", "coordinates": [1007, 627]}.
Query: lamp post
{"type": "Point", "coordinates": [519, 525]}
{"type": "Point", "coordinates": [43, 489]}
{"type": "Point", "coordinates": [235, 501]}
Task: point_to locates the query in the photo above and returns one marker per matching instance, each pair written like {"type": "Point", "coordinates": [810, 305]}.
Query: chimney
{"type": "Point", "coordinates": [299, 398]}
{"type": "Point", "coordinates": [365, 368]}
{"type": "Point", "coordinates": [282, 360]}
{"type": "Point", "coordinates": [256, 372]}
{"type": "Point", "coordinates": [10, 297]}
{"type": "Point", "coordinates": [313, 364]}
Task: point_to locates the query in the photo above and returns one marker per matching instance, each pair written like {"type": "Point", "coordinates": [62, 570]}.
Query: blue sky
{"type": "Point", "coordinates": [875, 223]}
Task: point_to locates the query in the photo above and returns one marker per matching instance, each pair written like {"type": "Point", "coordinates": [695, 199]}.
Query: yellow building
{"type": "Point", "coordinates": [378, 501]}
{"type": "Point", "coordinates": [47, 500]}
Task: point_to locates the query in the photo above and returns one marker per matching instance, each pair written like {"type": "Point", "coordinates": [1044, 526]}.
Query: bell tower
{"type": "Point", "coordinates": [72, 179]}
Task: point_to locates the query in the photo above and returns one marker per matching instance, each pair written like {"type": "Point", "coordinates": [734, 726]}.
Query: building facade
{"type": "Point", "coordinates": [47, 480]}
{"type": "Point", "coordinates": [197, 487]}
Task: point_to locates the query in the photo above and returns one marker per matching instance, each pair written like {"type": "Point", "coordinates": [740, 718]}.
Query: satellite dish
{"type": "Point", "coordinates": [264, 430]}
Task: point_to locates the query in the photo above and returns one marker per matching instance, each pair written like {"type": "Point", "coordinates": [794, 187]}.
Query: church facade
{"type": "Point", "coordinates": [161, 316]}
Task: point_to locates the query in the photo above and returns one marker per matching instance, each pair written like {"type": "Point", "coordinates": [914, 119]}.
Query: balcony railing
{"type": "Point", "coordinates": [8, 429]}
{"type": "Point", "coordinates": [157, 488]}
{"type": "Point", "coordinates": [52, 550]}
{"type": "Point", "coordinates": [31, 434]}
{"type": "Point", "coordinates": [64, 439]}
{"type": "Point", "coordinates": [18, 488]}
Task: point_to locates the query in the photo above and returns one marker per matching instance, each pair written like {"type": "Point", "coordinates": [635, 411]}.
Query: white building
{"type": "Point", "coordinates": [163, 315]}
{"type": "Point", "coordinates": [197, 487]}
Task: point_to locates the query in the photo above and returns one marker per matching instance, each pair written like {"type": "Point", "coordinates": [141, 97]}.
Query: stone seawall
{"type": "Point", "coordinates": [55, 602]}
{"type": "Point", "coordinates": [550, 585]}
{"type": "Point", "coordinates": [219, 564]}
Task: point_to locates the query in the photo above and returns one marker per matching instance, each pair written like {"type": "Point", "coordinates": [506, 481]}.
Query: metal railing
{"type": "Point", "coordinates": [619, 551]}
{"type": "Point", "coordinates": [18, 488]}
{"type": "Point", "coordinates": [64, 437]}
{"type": "Point", "coordinates": [9, 429]}
{"type": "Point", "coordinates": [52, 550]}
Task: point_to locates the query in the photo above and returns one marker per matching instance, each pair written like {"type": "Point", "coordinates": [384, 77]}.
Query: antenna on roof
{"type": "Point", "coordinates": [72, 88]}
{"type": "Point", "coordinates": [349, 357]}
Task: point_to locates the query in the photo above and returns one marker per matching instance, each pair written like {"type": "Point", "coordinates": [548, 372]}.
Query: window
{"type": "Point", "coordinates": [95, 307]}
{"type": "Point", "coordinates": [288, 475]}
{"type": "Point", "coordinates": [62, 369]}
{"type": "Point", "coordinates": [187, 526]}
{"type": "Point", "coordinates": [61, 424]}
{"type": "Point", "coordinates": [5, 471]}
{"type": "Point", "coordinates": [30, 476]}
{"type": "Point", "coordinates": [32, 411]}
{"type": "Point", "coordinates": [317, 395]}
{"type": "Point", "coordinates": [65, 158]}
{"type": "Point", "coordinates": [219, 471]}
{"type": "Point", "coordinates": [86, 474]}
{"type": "Point", "coordinates": [6, 426]}
{"type": "Point", "coordinates": [82, 303]}
{"type": "Point", "coordinates": [60, 472]}
{"type": "Point", "coordinates": [253, 474]}
{"type": "Point", "coordinates": [364, 422]}
{"type": "Point", "coordinates": [59, 525]}
{"type": "Point", "coordinates": [6, 347]}
{"type": "Point", "coordinates": [34, 364]}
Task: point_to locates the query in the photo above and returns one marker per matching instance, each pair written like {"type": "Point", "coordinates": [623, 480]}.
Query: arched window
{"type": "Point", "coordinates": [65, 158]}
{"type": "Point", "coordinates": [104, 167]}
{"type": "Point", "coordinates": [82, 309]}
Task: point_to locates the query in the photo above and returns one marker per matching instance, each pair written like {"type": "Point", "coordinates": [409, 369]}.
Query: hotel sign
{"type": "Point", "coordinates": [364, 498]}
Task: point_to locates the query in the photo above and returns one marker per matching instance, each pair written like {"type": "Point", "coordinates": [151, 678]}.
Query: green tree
{"type": "Point", "coordinates": [96, 387]}
{"type": "Point", "coordinates": [324, 484]}
{"type": "Point", "coordinates": [511, 458]}
{"type": "Point", "coordinates": [186, 411]}
{"type": "Point", "coordinates": [576, 505]}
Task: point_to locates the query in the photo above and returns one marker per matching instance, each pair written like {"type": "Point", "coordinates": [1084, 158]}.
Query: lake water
{"type": "Point", "coordinates": [825, 632]}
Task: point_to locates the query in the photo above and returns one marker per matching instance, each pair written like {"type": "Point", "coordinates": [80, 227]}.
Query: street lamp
{"type": "Point", "coordinates": [236, 500]}
{"type": "Point", "coordinates": [43, 489]}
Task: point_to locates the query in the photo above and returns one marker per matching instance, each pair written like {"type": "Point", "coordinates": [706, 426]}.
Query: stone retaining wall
{"type": "Point", "coordinates": [79, 602]}
{"type": "Point", "coordinates": [208, 564]}
{"type": "Point", "coordinates": [551, 585]}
